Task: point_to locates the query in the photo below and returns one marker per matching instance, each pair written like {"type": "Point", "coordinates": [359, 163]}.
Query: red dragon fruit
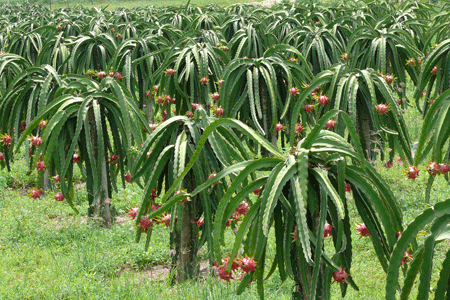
{"type": "Point", "coordinates": [294, 91]}
{"type": "Point", "coordinates": [412, 172]}
{"type": "Point", "coordinates": [444, 168]}
{"type": "Point", "coordinates": [35, 193]}
{"type": "Point", "coordinates": [406, 258]}
{"type": "Point", "coordinates": [248, 264]}
{"type": "Point", "coordinates": [433, 168]}
{"type": "Point", "coordinates": [382, 108]}
{"type": "Point", "coordinates": [114, 160]}
{"type": "Point", "coordinates": [145, 223]}
{"type": "Point", "coordinates": [224, 274]}
{"type": "Point", "coordinates": [388, 164]}
{"type": "Point", "coordinates": [323, 99]}
{"type": "Point", "coordinates": [40, 166]}
{"type": "Point", "coordinates": [59, 197]}
{"type": "Point", "coordinates": [6, 139]}
{"type": "Point", "coordinates": [101, 74]}
{"type": "Point", "coordinates": [36, 141]}
{"type": "Point", "coordinates": [200, 222]}
{"type": "Point", "coordinates": [133, 212]}
{"type": "Point", "coordinates": [234, 265]}
{"type": "Point", "coordinates": [389, 78]}
{"type": "Point", "coordinates": [340, 276]}
{"type": "Point", "coordinates": [211, 176]}
{"type": "Point", "coordinates": [347, 188]}
{"type": "Point", "coordinates": [204, 80]}
{"type": "Point", "coordinates": [219, 111]}
{"type": "Point", "coordinates": [309, 108]}
{"type": "Point", "coordinates": [328, 230]}
{"type": "Point", "coordinates": [215, 96]}
{"type": "Point", "coordinates": [330, 124]}
{"type": "Point", "coordinates": [298, 128]}
{"type": "Point", "coordinates": [128, 177]}
{"type": "Point", "coordinates": [118, 76]}
{"type": "Point", "coordinates": [56, 178]}
{"type": "Point", "coordinates": [42, 124]}
{"type": "Point", "coordinates": [434, 71]}
{"type": "Point", "coordinates": [313, 93]}
{"type": "Point", "coordinates": [243, 208]}
{"type": "Point", "coordinates": [279, 127]}
{"type": "Point", "coordinates": [166, 219]}
{"type": "Point", "coordinates": [363, 230]}
{"type": "Point", "coordinates": [23, 125]}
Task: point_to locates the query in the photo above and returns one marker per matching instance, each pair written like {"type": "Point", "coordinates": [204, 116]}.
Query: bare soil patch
{"type": "Point", "coordinates": [122, 220]}
{"type": "Point", "coordinates": [162, 272]}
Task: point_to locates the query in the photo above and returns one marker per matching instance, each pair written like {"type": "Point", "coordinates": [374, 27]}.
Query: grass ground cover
{"type": "Point", "coordinates": [49, 252]}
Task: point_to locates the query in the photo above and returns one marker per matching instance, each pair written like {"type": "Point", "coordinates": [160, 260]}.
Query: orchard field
{"type": "Point", "coordinates": [298, 151]}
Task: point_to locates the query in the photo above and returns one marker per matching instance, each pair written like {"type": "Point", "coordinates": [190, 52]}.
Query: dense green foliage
{"type": "Point", "coordinates": [200, 106]}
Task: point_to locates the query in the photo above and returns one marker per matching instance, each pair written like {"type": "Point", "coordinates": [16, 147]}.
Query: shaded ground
{"type": "Point", "coordinates": [162, 272]}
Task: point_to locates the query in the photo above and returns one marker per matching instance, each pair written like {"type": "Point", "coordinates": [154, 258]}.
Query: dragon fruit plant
{"type": "Point", "coordinates": [295, 177]}
{"type": "Point", "coordinates": [172, 144]}
{"type": "Point", "coordinates": [62, 145]}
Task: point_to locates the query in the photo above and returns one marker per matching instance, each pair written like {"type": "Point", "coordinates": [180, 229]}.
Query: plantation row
{"type": "Point", "coordinates": [203, 106]}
